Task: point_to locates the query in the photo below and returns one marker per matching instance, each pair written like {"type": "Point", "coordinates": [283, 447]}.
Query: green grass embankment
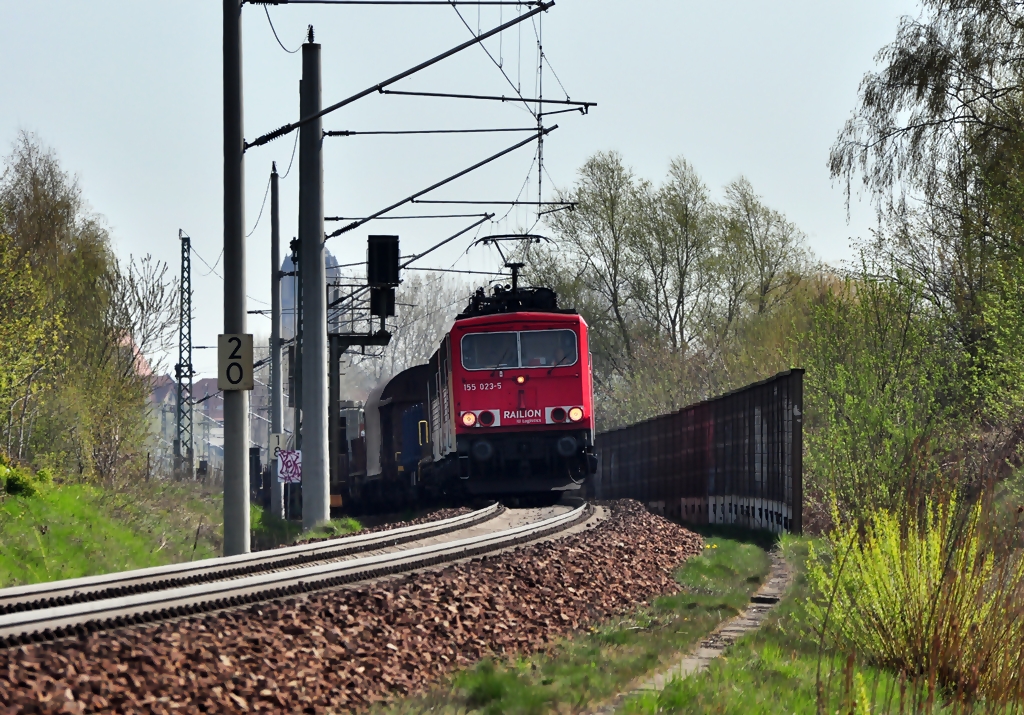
{"type": "Point", "coordinates": [595, 666]}
{"type": "Point", "coordinates": [71, 530]}
{"type": "Point", "coordinates": [775, 669]}
{"type": "Point", "coordinates": [269, 532]}
{"type": "Point", "coordinates": [54, 531]}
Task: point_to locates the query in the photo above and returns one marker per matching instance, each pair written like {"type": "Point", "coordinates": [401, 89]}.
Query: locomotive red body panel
{"type": "Point", "coordinates": [511, 402]}
{"type": "Point", "coordinates": [552, 372]}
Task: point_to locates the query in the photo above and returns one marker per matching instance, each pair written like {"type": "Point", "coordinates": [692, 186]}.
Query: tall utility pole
{"type": "Point", "coordinates": [236, 402]}
{"type": "Point", "coordinates": [334, 409]}
{"type": "Point", "coordinates": [184, 462]}
{"type": "Point", "coordinates": [276, 393]}
{"type": "Point", "coordinates": [316, 499]}
{"type": "Point", "coordinates": [295, 355]}
{"type": "Point", "coordinates": [540, 111]}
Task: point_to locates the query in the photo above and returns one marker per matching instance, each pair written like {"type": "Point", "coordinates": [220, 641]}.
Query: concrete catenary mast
{"type": "Point", "coordinates": [313, 274]}
{"type": "Point", "coordinates": [236, 402]}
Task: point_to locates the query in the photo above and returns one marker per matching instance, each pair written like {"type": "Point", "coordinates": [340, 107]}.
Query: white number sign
{"type": "Point", "coordinates": [277, 441]}
{"type": "Point", "coordinates": [234, 362]}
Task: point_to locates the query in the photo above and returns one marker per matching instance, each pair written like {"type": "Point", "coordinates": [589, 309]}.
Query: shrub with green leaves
{"type": "Point", "coordinates": [874, 362]}
{"type": "Point", "coordinates": [928, 594]}
{"type": "Point", "coordinates": [18, 481]}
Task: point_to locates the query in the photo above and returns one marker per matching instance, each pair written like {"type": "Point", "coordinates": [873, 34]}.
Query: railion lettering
{"type": "Point", "coordinates": [521, 414]}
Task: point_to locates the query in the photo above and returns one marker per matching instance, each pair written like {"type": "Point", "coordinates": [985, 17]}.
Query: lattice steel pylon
{"type": "Point", "coordinates": [184, 462]}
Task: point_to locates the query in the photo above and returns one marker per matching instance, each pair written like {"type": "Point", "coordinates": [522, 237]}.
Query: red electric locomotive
{"type": "Point", "coordinates": [511, 396]}
{"type": "Point", "coordinates": [504, 408]}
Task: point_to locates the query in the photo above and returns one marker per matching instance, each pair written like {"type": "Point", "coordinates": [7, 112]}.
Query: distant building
{"type": "Point", "coordinates": [288, 288]}
{"type": "Point", "coordinates": [207, 420]}
{"type": "Point", "coordinates": [163, 400]}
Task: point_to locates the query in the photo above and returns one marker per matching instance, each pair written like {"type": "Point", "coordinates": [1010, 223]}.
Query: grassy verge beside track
{"type": "Point", "coordinates": [72, 530]}
{"type": "Point", "coordinates": [269, 532]}
{"type": "Point", "coordinates": [773, 669]}
{"type": "Point", "coordinates": [597, 665]}
{"type": "Point", "coordinates": [68, 530]}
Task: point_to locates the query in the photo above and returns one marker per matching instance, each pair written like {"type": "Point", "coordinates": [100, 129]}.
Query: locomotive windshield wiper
{"type": "Point", "coordinates": [564, 357]}
{"type": "Point", "coordinates": [501, 360]}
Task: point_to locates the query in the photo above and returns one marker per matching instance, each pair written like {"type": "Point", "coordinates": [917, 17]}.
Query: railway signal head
{"type": "Point", "coordinates": [382, 302]}
{"type": "Point", "coordinates": [382, 261]}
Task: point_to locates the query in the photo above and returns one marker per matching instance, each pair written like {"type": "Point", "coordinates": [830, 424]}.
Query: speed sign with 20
{"type": "Point", "coordinates": [234, 362]}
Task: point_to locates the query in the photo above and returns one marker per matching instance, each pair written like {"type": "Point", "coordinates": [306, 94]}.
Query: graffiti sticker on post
{"type": "Point", "coordinates": [289, 466]}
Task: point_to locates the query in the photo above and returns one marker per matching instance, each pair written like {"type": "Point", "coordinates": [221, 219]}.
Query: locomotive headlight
{"type": "Point", "coordinates": [576, 414]}
{"type": "Point", "coordinates": [521, 379]}
{"type": "Point", "coordinates": [468, 419]}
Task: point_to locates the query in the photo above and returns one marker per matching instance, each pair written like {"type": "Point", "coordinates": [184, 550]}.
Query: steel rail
{"type": "Point", "coordinates": [52, 594]}
{"type": "Point", "coordinates": [89, 617]}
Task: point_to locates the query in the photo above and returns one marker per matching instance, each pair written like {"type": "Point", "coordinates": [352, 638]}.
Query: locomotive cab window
{"type": "Point", "coordinates": [548, 348]}
{"type": "Point", "coordinates": [490, 351]}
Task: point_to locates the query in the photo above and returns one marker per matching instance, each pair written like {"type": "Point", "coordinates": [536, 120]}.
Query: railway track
{"type": "Point", "coordinates": [45, 612]}
{"type": "Point", "coordinates": [124, 583]}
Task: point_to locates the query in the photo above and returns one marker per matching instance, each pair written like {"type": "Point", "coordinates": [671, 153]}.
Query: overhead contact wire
{"type": "Point", "coordinates": [496, 63]}
{"type": "Point", "coordinates": [274, 30]}
{"type": "Point", "coordinates": [262, 206]}
{"type": "Point", "coordinates": [288, 128]}
{"type": "Point", "coordinates": [292, 160]}
{"type": "Point", "coordinates": [397, 3]}
{"type": "Point", "coordinates": [453, 177]}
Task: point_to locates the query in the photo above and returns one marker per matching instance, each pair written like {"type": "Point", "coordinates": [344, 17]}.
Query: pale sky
{"type": "Point", "coordinates": [129, 95]}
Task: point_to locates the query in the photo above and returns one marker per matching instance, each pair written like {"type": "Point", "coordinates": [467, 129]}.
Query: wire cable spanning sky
{"type": "Point", "coordinates": [129, 95]}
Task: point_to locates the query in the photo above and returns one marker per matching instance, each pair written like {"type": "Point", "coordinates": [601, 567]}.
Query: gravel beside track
{"type": "Point", "coordinates": [438, 515]}
{"type": "Point", "coordinates": [339, 650]}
